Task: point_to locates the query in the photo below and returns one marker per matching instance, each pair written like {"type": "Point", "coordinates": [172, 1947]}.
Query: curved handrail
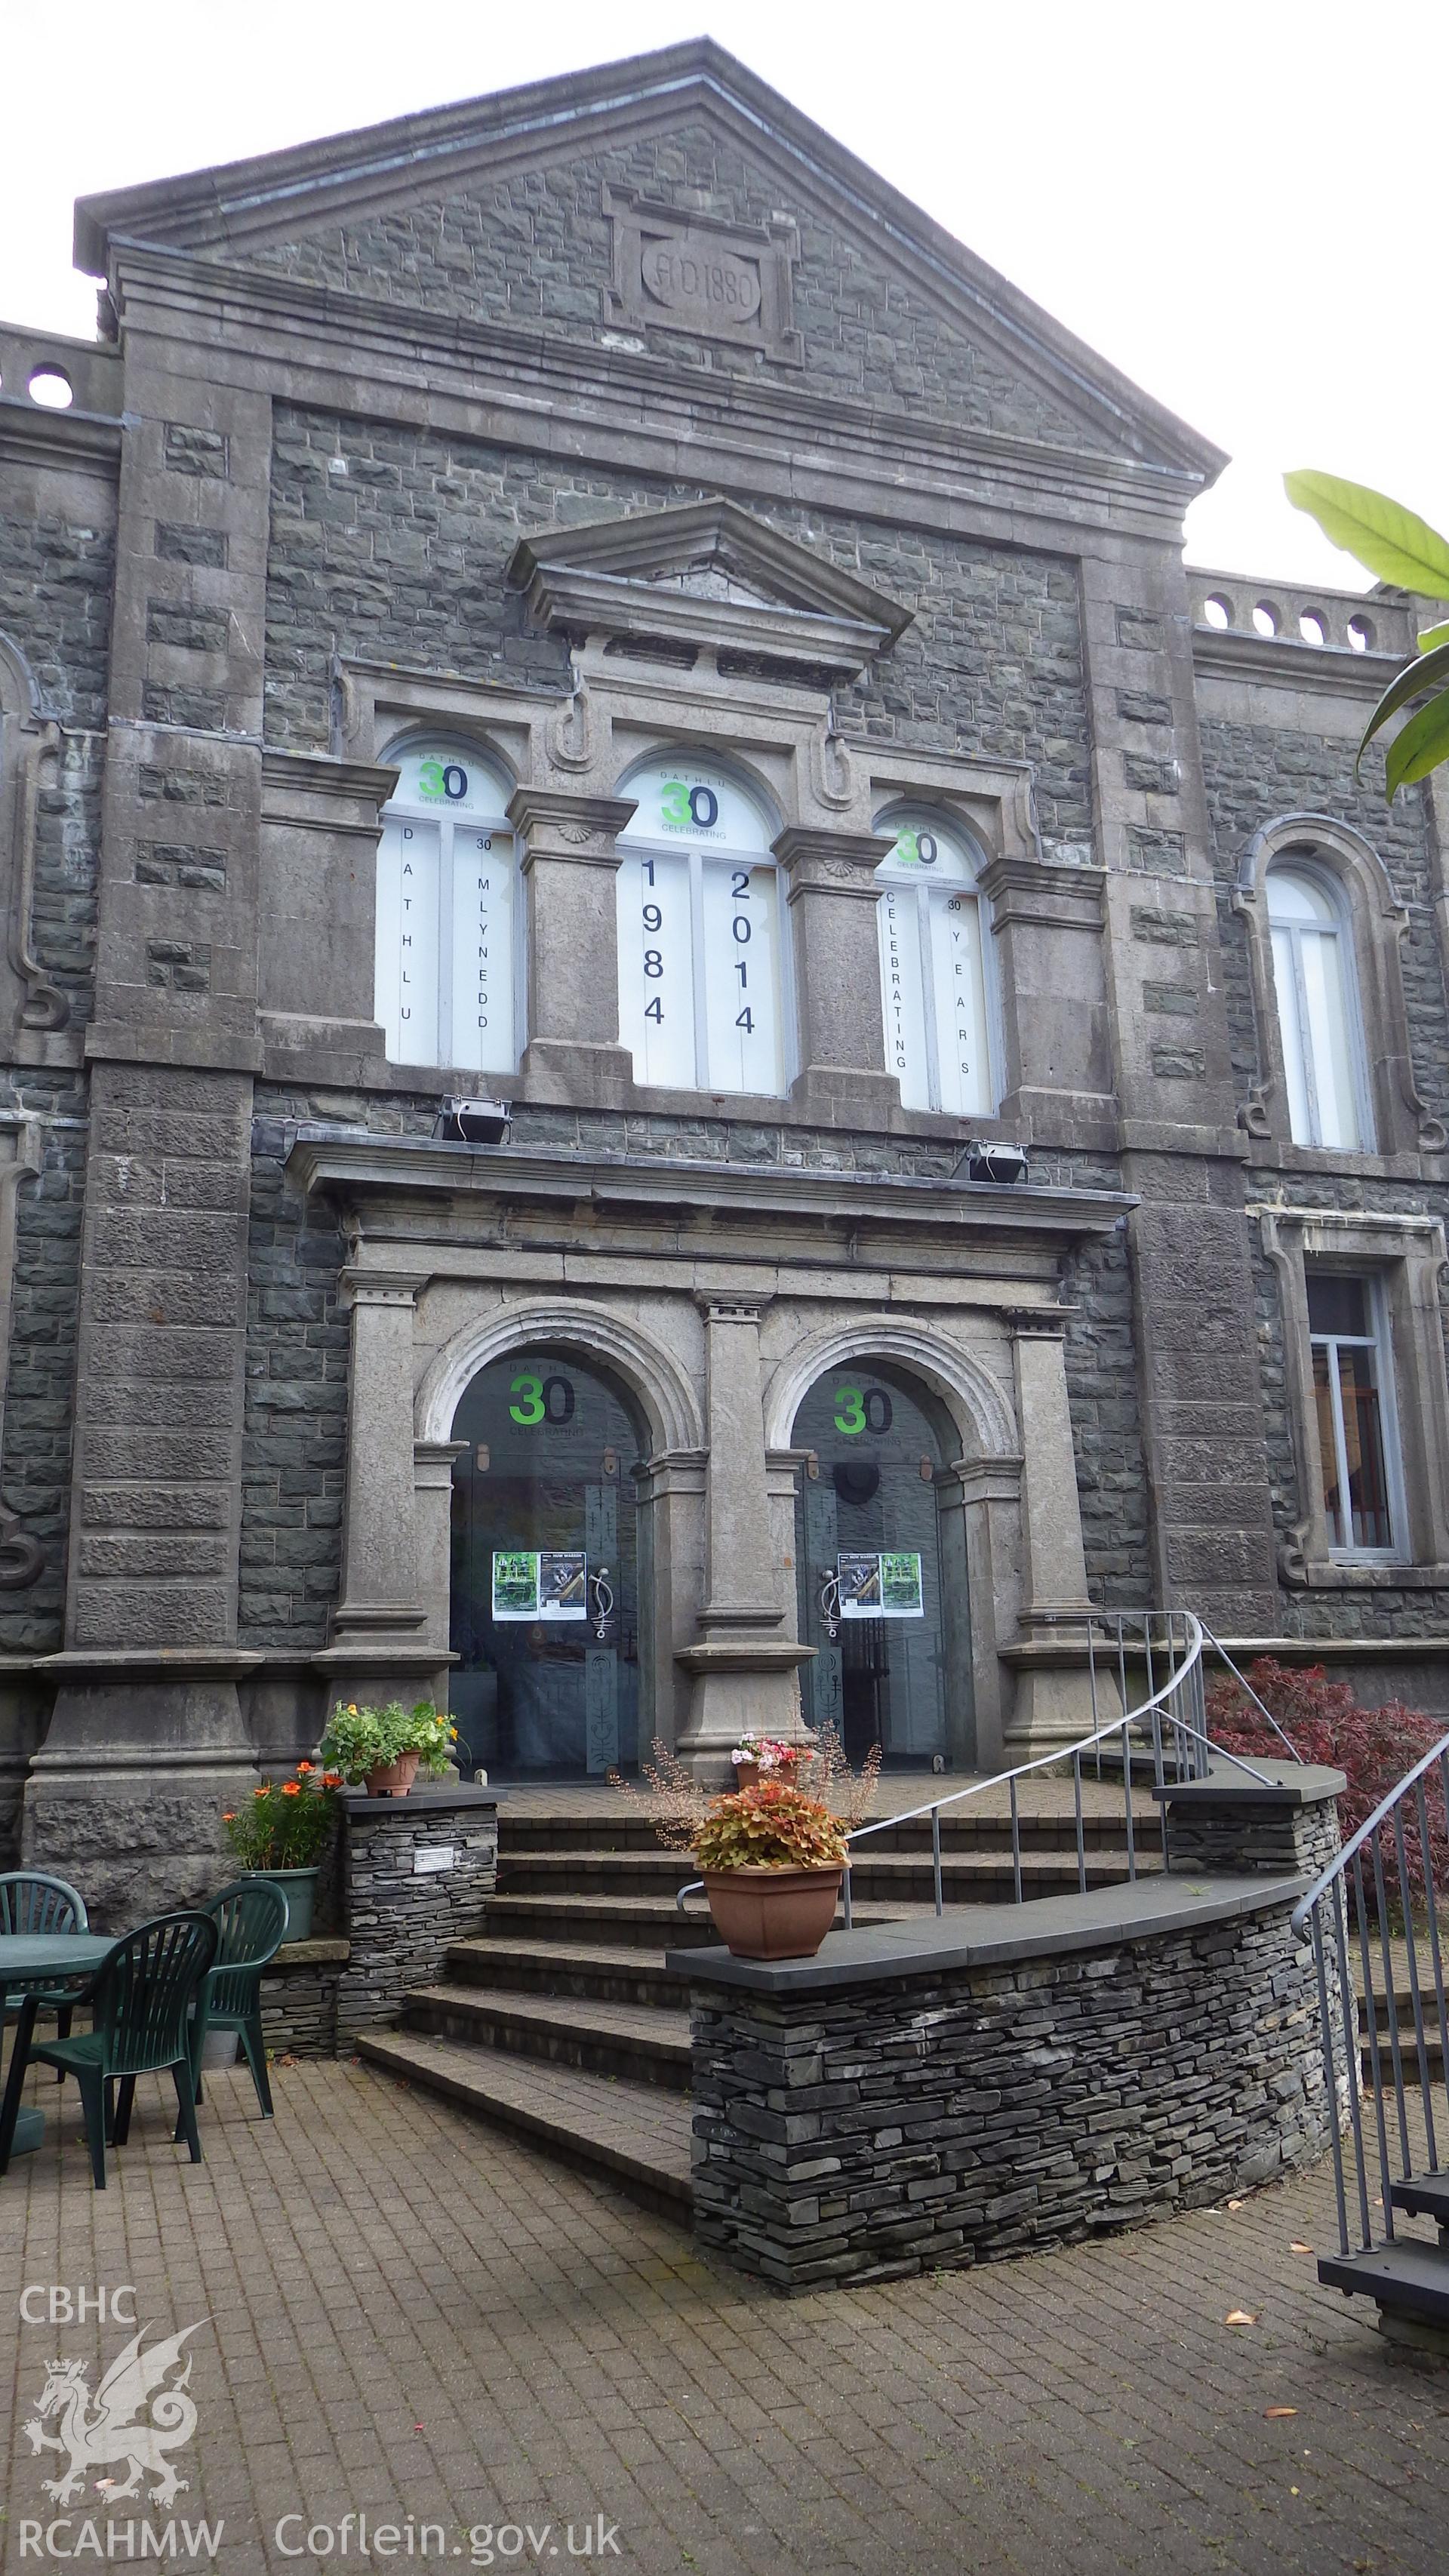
{"type": "Point", "coordinates": [1341, 1859]}
{"type": "Point", "coordinates": [1194, 1635]}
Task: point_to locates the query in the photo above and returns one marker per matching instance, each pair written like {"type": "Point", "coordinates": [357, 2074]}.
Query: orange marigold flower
{"type": "Point", "coordinates": [290, 1789]}
{"type": "Point", "coordinates": [331, 1779]}
{"type": "Point", "coordinates": [304, 1766]}
{"type": "Point", "coordinates": [230, 1817]}
{"type": "Point", "coordinates": [264, 1791]}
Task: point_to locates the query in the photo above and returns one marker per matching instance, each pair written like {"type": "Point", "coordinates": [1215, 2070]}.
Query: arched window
{"type": "Point", "coordinates": [933, 968]}
{"type": "Point", "coordinates": [701, 1001]}
{"type": "Point", "coordinates": [447, 871]}
{"type": "Point", "coordinates": [1318, 1019]}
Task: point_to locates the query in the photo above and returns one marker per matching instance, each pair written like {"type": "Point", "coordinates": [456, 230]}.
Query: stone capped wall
{"type": "Point", "coordinates": [535, 248]}
{"type": "Point", "coordinates": [399, 1920]}
{"type": "Point", "coordinates": [976, 2113]}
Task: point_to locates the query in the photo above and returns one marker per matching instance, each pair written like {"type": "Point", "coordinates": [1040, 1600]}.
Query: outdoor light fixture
{"type": "Point", "coordinates": [474, 1122]}
{"type": "Point", "coordinates": [1002, 1164]}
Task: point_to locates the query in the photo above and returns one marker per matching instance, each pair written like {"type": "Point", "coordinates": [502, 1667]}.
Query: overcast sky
{"type": "Point", "coordinates": [1209, 195]}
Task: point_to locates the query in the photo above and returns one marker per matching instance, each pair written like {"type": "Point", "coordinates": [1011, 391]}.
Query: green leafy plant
{"type": "Point", "coordinates": [769, 1827]}
{"type": "Point", "coordinates": [285, 1824]}
{"type": "Point", "coordinates": [1405, 551]}
{"type": "Point", "coordinates": [360, 1740]}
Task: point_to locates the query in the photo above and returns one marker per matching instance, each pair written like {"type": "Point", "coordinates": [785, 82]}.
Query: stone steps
{"type": "Point", "coordinates": [636, 2136]}
{"type": "Point", "coordinates": [619, 1975]}
{"type": "Point", "coordinates": [560, 2021]}
{"type": "Point", "coordinates": [643, 2043]}
{"type": "Point", "coordinates": [967, 1876]}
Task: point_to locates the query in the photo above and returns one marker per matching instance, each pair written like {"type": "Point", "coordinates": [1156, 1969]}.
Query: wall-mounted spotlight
{"type": "Point", "coordinates": [1003, 1164]}
{"type": "Point", "coordinates": [474, 1122]}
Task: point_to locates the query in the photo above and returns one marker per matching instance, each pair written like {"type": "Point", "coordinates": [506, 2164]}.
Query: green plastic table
{"type": "Point", "coordinates": [41, 1966]}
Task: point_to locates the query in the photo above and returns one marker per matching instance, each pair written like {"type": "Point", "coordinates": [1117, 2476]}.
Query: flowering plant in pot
{"type": "Point", "coordinates": [772, 1862]}
{"type": "Point", "coordinates": [282, 1833]}
{"type": "Point", "coordinates": [758, 1757]}
{"type": "Point", "coordinates": [384, 1748]}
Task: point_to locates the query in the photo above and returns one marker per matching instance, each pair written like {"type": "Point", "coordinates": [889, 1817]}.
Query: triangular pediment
{"type": "Point", "coordinates": [672, 206]}
{"type": "Point", "coordinates": [704, 572]}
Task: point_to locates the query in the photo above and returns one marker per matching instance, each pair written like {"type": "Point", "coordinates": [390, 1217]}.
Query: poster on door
{"type": "Point", "coordinates": [885, 1585]}
{"type": "Point", "coordinates": [540, 1583]}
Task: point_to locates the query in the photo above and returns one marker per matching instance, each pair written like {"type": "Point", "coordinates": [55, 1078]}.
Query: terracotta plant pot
{"type": "Point", "coordinates": [747, 1775]}
{"type": "Point", "coordinates": [773, 1913]}
{"type": "Point", "coordinates": [393, 1779]}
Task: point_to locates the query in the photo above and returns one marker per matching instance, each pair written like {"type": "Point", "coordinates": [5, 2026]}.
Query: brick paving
{"type": "Point", "coordinates": [412, 2316]}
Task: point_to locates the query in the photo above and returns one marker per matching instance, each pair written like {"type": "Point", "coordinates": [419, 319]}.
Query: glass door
{"type": "Point", "coordinates": [544, 1571]}
{"type": "Point", "coordinates": [869, 1556]}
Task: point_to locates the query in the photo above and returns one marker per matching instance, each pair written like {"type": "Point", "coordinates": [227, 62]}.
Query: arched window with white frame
{"type": "Point", "coordinates": [1319, 1022]}
{"type": "Point", "coordinates": [701, 932]}
{"type": "Point", "coordinates": [447, 988]}
{"type": "Point", "coordinates": [935, 986]}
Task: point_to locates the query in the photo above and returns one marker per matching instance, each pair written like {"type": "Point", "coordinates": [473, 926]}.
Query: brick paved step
{"type": "Point", "coordinates": [1424, 2195]}
{"type": "Point", "coordinates": [640, 2042]}
{"type": "Point", "coordinates": [634, 2135]}
{"type": "Point", "coordinates": [618, 1975]}
{"type": "Point", "coordinates": [985, 1876]}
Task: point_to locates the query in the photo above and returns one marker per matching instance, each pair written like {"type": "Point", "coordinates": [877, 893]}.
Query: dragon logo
{"type": "Point", "coordinates": [101, 2430]}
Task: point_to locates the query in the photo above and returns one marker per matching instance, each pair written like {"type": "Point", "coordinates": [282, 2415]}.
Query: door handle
{"type": "Point", "coordinates": [603, 1601]}
{"type": "Point", "coordinates": [830, 1603]}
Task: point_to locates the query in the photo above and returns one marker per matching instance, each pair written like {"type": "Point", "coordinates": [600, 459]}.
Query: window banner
{"type": "Point", "coordinates": [882, 1586]}
{"type": "Point", "coordinates": [548, 1583]}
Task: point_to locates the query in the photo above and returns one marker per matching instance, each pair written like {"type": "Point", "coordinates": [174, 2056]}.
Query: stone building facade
{"type": "Point", "coordinates": [588, 600]}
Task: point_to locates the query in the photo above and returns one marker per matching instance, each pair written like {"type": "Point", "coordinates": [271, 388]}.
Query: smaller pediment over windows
{"type": "Point", "coordinates": [705, 573]}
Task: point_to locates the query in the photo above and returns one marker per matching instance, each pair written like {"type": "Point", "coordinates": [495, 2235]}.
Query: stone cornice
{"type": "Point", "coordinates": [396, 1165]}
{"type": "Point", "coordinates": [84, 440]}
{"type": "Point", "coordinates": [536, 388]}
{"type": "Point", "coordinates": [1311, 669]}
{"type": "Point", "coordinates": [1021, 889]}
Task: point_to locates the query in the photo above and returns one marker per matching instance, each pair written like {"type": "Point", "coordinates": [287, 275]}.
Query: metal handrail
{"type": "Point", "coordinates": [1385, 1807]}
{"type": "Point", "coordinates": [1349, 1916]}
{"type": "Point", "coordinates": [1261, 1705]}
{"type": "Point", "coordinates": [1192, 1746]}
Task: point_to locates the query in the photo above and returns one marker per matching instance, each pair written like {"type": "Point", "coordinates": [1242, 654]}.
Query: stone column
{"type": "Point", "coordinates": [832, 894]}
{"type": "Point", "coordinates": [745, 1660]}
{"type": "Point", "coordinates": [378, 1647]}
{"type": "Point", "coordinates": [569, 865]}
{"type": "Point", "coordinates": [1053, 1695]}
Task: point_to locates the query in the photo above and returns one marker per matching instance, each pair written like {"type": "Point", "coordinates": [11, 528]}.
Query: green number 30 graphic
{"type": "Point", "coordinates": [850, 1414]}
{"type": "Point", "coordinates": [674, 806]}
{"type": "Point", "coordinates": [531, 1409]}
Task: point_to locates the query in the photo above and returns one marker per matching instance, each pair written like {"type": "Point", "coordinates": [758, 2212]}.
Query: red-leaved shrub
{"type": "Point", "coordinates": [1374, 1747]}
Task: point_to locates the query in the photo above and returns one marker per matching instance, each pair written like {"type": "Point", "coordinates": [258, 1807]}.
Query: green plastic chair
{"type": "Point", "coordinates": [30, 1901]}
{"type": "Point", "coordinates": [140, 2000]}
{"type": "Point", "coordinates": [251, 1922]}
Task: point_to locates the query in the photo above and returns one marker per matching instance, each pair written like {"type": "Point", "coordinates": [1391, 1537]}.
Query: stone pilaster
{"type": "Point", "coordinates": [833, 899]}
{"type": "Point", "coordinates": [745, 1659]}
{"type": "Point", "coordinates": [570, 865]}
{"type": "Point", "coordinates": [1053, 1700]}
{"type": "Point", "coordinates": [1212, 1525]}
{"type": "Point", "coordinates": [379, 1646]}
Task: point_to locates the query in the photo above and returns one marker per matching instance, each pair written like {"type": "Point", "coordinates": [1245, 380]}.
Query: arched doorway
{"type": "Point", "coordinates": [881, 1566]}
{"type": "Point", "coordinates": [545, 1571]}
